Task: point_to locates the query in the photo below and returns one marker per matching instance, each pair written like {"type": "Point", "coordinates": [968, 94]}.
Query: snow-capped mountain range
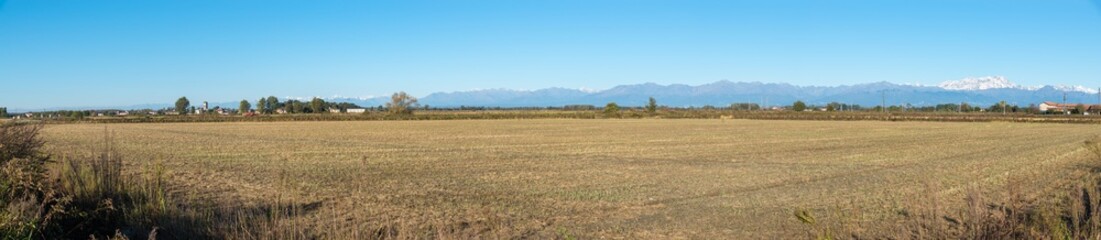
{"type": "Point", "coordinates": [976, 91]}
{"type": "Point", "coordinates": [979, 83]}
{"type": "Point", "coordinates": [999, 82]}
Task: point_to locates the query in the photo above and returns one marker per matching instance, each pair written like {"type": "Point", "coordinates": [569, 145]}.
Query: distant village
{"type": "Point", "coordinates": [271, 105]}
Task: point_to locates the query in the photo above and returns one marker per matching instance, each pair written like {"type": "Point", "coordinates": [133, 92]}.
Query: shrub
{"type": "Point", "coordinates": [611, 110]}
{"type": "Point", "coordinates": [88, 196]}
{"type": "Point", "coordinates": [27, 199]}
{"type": "Point", "coordinates": [22, 161]}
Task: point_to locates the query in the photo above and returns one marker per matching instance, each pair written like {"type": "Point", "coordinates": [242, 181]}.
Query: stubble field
{"type": "Point", "coordinates": [643, 178]}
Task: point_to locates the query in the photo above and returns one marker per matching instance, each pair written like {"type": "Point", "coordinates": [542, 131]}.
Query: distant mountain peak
{"type": "Point", "coordinates": [1075, 89]}
{"type": "Point", "coordinates": [978, 83]}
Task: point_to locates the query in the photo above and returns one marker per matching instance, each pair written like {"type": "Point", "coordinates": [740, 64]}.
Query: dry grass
{"type": "Point", "coordinates": [587, 178]}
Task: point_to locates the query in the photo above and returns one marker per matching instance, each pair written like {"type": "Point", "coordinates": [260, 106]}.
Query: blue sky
{"type": "Point", "coordinates": [111, 53]}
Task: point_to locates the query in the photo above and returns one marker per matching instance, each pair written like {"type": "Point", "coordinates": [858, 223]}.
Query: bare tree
{"type": "Point", "coordinates": [402, 103]}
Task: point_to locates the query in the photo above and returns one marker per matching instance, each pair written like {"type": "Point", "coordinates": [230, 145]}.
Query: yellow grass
{"type": "Point", "coordinates": [647, 178]}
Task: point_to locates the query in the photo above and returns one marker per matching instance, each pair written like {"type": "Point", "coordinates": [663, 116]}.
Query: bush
{"type": "Point", "coordinates": [88, 196]}
{"type": "Point", "coordinates": [22, 162]}
{"type": "Point", "coordinates": [27, 200]}
{"type": "Point", "coordinates": [611, 110]}
{"type": "Point", "coordinates": [20, 141]}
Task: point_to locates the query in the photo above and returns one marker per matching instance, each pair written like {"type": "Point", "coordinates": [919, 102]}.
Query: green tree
{"type": "Point", "coordinates": [78, 115]}
{"type": "Point", "coordinates": [652, 106]}
{"type": "Point", "coordinates": [829, 108]}
{"type": "Point", "coordinates": [244, 107]}
{"type": "Point", "coordinates": [401, 103]}
{"type": "Point", "coordinates": [260, 106]}
{"type": "Point", "coordinates": [611, 109]}
{"type": "Point", "coordinates": [292, 106]}
{"type": "Point", "coordinates": [3, 112]}
{"type": "Point", "coordinates": [799, 106]}
{"type": "Point", "coordinates": [317, 105]}
{"type": "Point", "coordinates": [182, 104]}
{"type": "Point", "coordinates": [1079, 109]}
{"type": "Point", "coordinates": [298, 106]}
{"type": "Point", "coordinates": [271, 104]}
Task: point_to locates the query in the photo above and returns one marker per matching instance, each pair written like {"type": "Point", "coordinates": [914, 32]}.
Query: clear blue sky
{"type": "Point", "coordinates": [110, 53]}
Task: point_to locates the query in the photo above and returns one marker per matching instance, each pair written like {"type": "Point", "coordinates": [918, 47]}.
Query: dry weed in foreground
{"type": "Point", "coordinates": [1075, 215]}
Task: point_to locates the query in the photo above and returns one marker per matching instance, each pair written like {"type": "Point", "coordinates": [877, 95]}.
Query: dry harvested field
{"type": "Point", "coordinates": [647, 178]}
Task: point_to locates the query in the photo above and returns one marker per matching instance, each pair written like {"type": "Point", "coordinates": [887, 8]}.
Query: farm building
{"type": "Point", "coordinates": [356, 110]}
{"type": "Point", "coordinates": [1054, 106]}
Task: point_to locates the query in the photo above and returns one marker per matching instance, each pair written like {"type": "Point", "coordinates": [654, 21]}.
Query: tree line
{"type": "Point", "coordinates": [401, 103]}
{"type": "Point", "coordinates": [613, 108]}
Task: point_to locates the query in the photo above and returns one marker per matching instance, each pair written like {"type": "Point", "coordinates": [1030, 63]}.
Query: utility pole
{"type": "Point", "coordinates": [1065, 103]}
{"type": "Point", "coordinates": [883, 102]}
{"type": "Point", "coordinates": [1099, 100]}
